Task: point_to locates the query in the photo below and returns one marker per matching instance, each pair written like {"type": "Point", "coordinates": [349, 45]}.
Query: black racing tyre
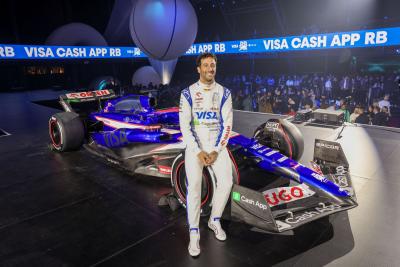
{"type": "Point", "coordinates": [179, 183]}
{"type": "Point", "coordinates": [281, 135]}
{"type": "Point", "coordinates": [66, 131]}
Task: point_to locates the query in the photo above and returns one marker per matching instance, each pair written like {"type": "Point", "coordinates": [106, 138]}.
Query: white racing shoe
{"type": "Point", "coordinates": [194, 243]}
{"type": "Point", "coordinates": [215, 225]}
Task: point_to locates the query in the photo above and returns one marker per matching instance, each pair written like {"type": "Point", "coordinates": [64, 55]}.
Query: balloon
{"type": "Point", "coordinates": [76, 34]}
{"type": "Point", "coordinates": [163, 29]}
{"type": "Point", "coordinates": [146, 75]}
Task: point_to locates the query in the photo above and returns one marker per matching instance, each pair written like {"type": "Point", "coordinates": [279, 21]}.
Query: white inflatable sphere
{"type": "Point", "coordinates": [146, 75]}
{"type": "Point", "coordinates": [76, 34]}
{"type": "Point", "coordinates": [163, 29]}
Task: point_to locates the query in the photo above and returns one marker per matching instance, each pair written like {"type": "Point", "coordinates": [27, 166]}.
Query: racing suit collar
{"type": "Point", "coordinates": [207, 87]}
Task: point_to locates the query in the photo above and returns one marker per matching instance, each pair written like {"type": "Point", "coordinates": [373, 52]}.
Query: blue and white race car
{"type": "Point", "coordinates": [130, 132]}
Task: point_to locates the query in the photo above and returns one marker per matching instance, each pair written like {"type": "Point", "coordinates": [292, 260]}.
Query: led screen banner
{"type": "Point", "coordinates": [67, 52]}
{"type": "Point", "coordinates": [365, 38]}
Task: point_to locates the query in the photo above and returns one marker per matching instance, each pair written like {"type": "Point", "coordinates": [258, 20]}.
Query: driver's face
{"type": "Point", "coordinates": [207, 69]}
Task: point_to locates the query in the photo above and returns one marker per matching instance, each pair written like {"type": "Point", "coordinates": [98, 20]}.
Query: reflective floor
{"type": "Point", "coordinates": [72, 209]}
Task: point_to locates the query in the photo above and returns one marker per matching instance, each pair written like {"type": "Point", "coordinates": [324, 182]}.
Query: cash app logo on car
{"type": "Point", "coordinates": [236, 196]}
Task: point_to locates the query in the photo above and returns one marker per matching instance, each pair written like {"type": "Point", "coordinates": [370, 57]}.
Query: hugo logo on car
{"type": "Point", "coordinates": [281, 195]}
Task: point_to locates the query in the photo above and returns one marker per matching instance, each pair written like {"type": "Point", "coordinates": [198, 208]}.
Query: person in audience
{"type": "Point", "coordinates": [385, 103]}
{"type": "Point", "coordinates": [306, 99]}
{"type": "Point", "coordinates": [247, 101]}
{"type": "Point", "coordinates": [278, 102]}
{"type": "Point", "coordinates": [355, 114]}
{"type": "Point", "coordinates": [262, 102]}
{"type": "Point", "coordinates": [324, 102]}
{"type": "Point", "coordinates": [328, 87]}
{"type": "Point", "coordinates": [292, 111]}
{"type": "Point", "coordinates": [343, 107]}
{"type": "Point", "coordinates": [385, 111]}
{"type": "Point", "coordinates": [307, 107]}
{"type": "Point", "coordinates": [363, 117]}
{"type": "Point", "coordinates": [379, 118]}
{"type": "Point", "coordinates": [237, 101]}
{"type": "Point", "coordinates": [291, 105]}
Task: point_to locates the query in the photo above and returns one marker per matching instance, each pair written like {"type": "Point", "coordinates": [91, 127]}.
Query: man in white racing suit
{"type": "Point", "coordinates": [205, 118]}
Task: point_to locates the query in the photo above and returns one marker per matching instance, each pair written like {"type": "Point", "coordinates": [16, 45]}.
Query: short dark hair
{"type": "Point", "coordinates": [205, 55]}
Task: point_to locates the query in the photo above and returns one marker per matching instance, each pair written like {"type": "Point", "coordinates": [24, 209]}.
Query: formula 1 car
{"type": "Point", "coordinates": [130, 132]}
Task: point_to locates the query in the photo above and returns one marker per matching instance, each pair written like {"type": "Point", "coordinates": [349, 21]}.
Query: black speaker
{"type": "Point", "coordinates": [302, 115]}
{"type": "Point", "coordinates": [335, 117]}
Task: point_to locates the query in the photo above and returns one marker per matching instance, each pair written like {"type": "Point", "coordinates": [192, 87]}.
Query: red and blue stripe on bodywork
{"type": "Point", "coordinates": [273, 161]}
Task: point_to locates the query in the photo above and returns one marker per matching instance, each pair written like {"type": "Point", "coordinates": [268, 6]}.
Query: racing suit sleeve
{"type": "Point", "coordinates": [185, 120]}
{"type": "Point", "coordinates": [226, 119]}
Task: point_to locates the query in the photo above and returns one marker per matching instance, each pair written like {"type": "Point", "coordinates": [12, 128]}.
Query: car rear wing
{"type": "Point", "coordinates": [69, 99]}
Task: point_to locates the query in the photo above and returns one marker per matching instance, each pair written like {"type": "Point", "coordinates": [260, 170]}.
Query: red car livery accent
{"type": "Point", "coordinates": [164, 169]}
{"type": "Point", "coordinates": [81, 95]}
{"type": "Point", "coordinates": [167, 110]}
{"type": "Point", "coordinates": [281, 195]}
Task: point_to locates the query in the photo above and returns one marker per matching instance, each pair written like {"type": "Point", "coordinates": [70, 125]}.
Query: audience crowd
{"type": "Point", "coordinates": [363, 98]}
{"type": "Point", "coordinates": [367, 95]}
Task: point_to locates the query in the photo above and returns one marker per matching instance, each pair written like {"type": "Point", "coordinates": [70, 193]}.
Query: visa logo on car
{"type": "Point", "coordinates": [206, 115]}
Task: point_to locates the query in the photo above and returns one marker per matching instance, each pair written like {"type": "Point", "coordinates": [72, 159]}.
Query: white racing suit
{"type": "Point", "coordinates": [205, 118]}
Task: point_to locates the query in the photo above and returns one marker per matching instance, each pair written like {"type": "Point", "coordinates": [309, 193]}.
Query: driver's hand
{"type": "Point", "coordinates": [212, 157]}
{"type": "Point", "coordinates": [203, 157]}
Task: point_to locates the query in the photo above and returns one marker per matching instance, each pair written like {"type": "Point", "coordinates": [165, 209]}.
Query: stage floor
{"type": "Point", "coordinates": [71, 209]}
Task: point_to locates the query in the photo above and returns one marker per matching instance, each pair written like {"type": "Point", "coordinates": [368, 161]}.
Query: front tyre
{"type": "Point", "coordinates": [281, 135]}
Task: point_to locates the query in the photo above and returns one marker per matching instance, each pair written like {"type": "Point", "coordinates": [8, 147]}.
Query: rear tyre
{"type": "Point", "coordinates": [66, 131]}
{"type": "Point", "coordinates": [179, 185]}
